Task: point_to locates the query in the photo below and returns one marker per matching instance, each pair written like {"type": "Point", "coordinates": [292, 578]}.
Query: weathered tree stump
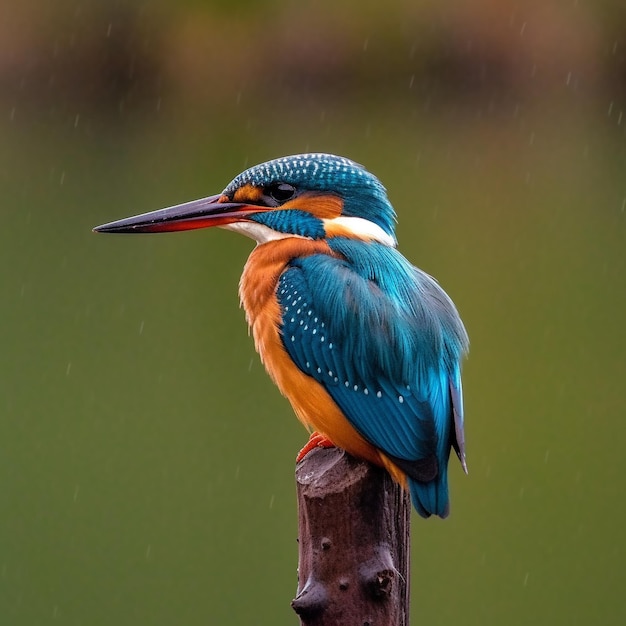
{"type": "Point", "coordinates": [354, 524]}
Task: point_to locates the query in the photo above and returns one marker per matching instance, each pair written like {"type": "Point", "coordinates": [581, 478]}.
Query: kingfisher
{"type": "Point", "coordinates": [366, 347]}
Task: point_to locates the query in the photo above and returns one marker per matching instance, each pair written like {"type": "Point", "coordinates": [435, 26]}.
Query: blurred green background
{"type": "Point", "coordinates": [146, 461]}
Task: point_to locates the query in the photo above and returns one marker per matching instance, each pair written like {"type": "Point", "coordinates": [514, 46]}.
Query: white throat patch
{"type": "Point", "coordinates": [259, 232]}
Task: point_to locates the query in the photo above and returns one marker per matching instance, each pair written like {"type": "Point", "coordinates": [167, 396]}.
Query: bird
{"type": "Point", "coordinates": [366, 347]}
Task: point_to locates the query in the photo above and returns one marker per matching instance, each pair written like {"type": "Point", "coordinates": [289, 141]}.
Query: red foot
{"type": "Point", "coordinates": [315, 441]}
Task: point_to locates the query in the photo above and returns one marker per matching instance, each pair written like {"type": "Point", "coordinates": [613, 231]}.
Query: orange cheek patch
{"type": "Point", "coordinates": [248, 193]}
{"type": "Point", "coordinates": [324, 206]}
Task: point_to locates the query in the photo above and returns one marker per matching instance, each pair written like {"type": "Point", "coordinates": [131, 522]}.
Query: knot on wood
{"type": "Point", "coordinates": [377, 574]}
{"type": "Point", "coordinates": [311, 600]}
{"type": "Point", "coordinates": [380, 584]}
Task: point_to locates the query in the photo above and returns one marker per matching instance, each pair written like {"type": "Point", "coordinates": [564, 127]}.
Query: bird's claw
{"type": "Point", "coordinates": [316, 440]}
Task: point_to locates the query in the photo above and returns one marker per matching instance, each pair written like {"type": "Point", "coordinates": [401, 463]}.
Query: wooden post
{"type": "Point", "coordinates": [353, 543]}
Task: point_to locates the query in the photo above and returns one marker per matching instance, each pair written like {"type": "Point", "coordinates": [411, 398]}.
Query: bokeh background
{"type": "Point", "coordinates": [146, 461]}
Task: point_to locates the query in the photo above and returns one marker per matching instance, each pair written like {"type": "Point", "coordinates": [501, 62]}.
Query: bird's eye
{"type": "Point", "coordinates": [281, 192]}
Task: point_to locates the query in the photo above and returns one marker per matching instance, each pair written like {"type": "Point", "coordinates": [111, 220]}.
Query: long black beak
{"type": "Point", "coordinates": [212, 211]}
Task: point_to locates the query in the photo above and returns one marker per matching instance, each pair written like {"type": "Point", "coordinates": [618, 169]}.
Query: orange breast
{"type": "Point", "coordinates": [311, 403]}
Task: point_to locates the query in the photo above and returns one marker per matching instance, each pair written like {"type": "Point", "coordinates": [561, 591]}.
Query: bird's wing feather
{"type": "Point", "coordinates": [456, 393]}
{"type": "Point", "coordinates": [380, 356]}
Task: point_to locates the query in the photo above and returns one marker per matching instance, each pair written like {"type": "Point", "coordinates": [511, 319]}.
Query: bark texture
{"type": "Point", "coordinates": [354, 524]}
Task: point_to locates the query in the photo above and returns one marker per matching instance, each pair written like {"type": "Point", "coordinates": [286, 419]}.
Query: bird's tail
{"type": "Point", "coordinates": [431, 498]}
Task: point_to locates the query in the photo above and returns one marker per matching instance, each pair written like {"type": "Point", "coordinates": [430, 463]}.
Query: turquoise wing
{"type": "Point", "coordinates": [385, 342]}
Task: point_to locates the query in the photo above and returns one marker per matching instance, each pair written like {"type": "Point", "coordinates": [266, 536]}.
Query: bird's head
{"type": "Point", "coordinates": [306, 195]}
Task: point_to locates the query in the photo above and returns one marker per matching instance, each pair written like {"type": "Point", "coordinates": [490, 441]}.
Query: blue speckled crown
{"type": "Point", "coordinates": [362, 193]}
